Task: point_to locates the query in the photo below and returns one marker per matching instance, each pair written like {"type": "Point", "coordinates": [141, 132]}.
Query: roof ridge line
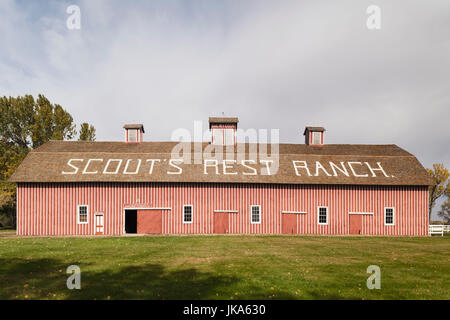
{"type": "Point", "coordinates": [288, 154]}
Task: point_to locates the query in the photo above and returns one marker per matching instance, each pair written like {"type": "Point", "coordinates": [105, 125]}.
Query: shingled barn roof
{"type": "Point", "coordinates": [50, 163]}
{"type": "Point", "coordinates": [134, 126]}
{"type": "Point", "coordinates": [321, 129]}
{"type": "Point", "coordinates": [223, 120]}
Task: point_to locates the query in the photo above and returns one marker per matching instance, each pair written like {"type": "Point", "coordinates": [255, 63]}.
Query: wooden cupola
{"type": "Point", "coordinates": [134, 133]}
{"type": "Point", "coordinates": [223, 130]}
{"type": "Point", "coordinates": [314, 136]}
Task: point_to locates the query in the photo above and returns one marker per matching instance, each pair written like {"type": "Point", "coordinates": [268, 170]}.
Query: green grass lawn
{"type": "Point", "coordinates": [225, 267]}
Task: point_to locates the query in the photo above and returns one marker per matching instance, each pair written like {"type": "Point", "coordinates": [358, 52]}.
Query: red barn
{"type": "Point", "coordinates": [117, 188]}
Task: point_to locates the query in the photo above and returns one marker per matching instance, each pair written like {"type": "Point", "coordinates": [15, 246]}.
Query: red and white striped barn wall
{"type": "Point", "coordinates": [50, 208]}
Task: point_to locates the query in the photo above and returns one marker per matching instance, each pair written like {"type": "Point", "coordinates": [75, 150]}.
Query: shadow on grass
{"type": "Point", "coordinates": [46, 279]}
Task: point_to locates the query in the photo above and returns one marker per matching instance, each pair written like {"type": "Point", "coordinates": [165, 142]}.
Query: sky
{"type": "Point", "coordinates": [273, 64]}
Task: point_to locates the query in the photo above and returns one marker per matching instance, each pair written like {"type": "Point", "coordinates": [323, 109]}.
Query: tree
{"type": "Point", "coordinates": [440, 175]}
{"type": "Point", "coordinates": [445, 209]}
{"type": "Point", "coordinates": [87, 132]}
{"type": "Point", "coordinates": [25, 124]}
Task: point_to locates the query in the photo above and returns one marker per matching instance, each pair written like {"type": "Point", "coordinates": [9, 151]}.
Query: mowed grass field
{"type": "Point", "coordinates": [225, 267]}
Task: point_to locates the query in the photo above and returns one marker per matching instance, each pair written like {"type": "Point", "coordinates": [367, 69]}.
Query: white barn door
{"type": "Point", "coordinates": [99, 223]}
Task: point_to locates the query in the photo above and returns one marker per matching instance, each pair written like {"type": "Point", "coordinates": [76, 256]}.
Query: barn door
{"type": "Point", "coordinates": [355, 222]}
{"type": "Point", "coordinates": [289, 223]}
{"type": "Point", "coordinates": [221, 222]}
{"type": "Point", "coordinates": [99, 223]}
{"type": "Point", "coordinates": [149, 221]}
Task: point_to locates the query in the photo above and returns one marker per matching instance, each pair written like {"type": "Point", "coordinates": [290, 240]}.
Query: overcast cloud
{"type": "Point", "coordinates": [274, 64]}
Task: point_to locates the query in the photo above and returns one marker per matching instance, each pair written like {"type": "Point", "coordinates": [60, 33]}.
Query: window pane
{"type": "Point", "coordinates": [229, 136]}
{"type": "Point", "coordinates": [132, 135]}
{"type": "Point", "coordinates": [255, 214]}
{"type": "Point", "coordinates": [188, 214]}
{"type": "Point", "coordinates": [389, 216]}
{"type": "Point", "coordinates": [217, 136]}
{"type": "Point", "coordinates": [82, 214]}
{"type": "Point", "coordinates": [316, 138]}
{"type": "Point", "coordinates": [322, 215]}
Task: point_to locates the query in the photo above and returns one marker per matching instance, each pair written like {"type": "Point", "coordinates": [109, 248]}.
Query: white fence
{"type": "Point", "coordinates": [438, 229]}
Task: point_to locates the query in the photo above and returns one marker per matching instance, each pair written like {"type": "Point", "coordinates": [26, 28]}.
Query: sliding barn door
{"type": "Point", "coordinates": [289, 223]}
{"type": "Point", "coordinates": [221, 222]}
{"type": "Point", "coordinates": [149, 221]}
{"type": "Point", "coordinates": [355, 221]}
{"type": "Point", "coordinates": [99, 224]}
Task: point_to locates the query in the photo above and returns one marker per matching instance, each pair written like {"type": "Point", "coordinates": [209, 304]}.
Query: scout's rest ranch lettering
{"type": "Point", "coordinates": [100, 166]}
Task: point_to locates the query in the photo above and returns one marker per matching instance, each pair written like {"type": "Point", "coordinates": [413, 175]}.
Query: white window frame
{"type": "Point", "coordinates": [192, 213]}
{"type": "Point", "coordinates": [129, 135]}
{"type": "Point", "coordinates": [217, 136]}
{"type": "Point", "coordinates": [361, 213]}
{"type": "Point", "coordinates": [315, 134]}
{"type": "Point", "coordinates": [223, 136]}
{"type": "Point", "coordinates": [251, 214]}
{"type": "Point", "coordinates": [393, 216]}
{"type": "Point", "coordinates": [318, 215]}
{"type": "Point", "coordinates": [78, 214]}
{"type": "Point", "coordinates": [294, 212]}
{"type": "Point", "coordinates": [228, 136]}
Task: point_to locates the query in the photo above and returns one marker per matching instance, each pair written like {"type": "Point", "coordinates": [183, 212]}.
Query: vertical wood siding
{"type": "Point", "coordinates": [50, 208]}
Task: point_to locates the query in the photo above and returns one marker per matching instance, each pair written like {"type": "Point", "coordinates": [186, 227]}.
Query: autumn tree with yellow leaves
{"type": "Point", "coordinates": [445, 209]}
{"type": "Point", "coordinates": [440, 187]}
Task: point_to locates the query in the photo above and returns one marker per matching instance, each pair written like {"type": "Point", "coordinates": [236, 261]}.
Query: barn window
{"type": "Point", "coordinates": [187, 214]}
{"type": "Point", "coordinates": [223, 136]}
{"type": "Point", "coordinates": [217, 136]}
{"type": "Point", "coordinates": [316, 138]}
{"type": "Point", "coordinates": [389, 216]}
{"type": "Point", "coordinates": [228, 137]}
{"type": "Point", "coordinates": [256, 214]}
{"type": "Point", "coordinates": [323, 215]}
{"type": "Point", "coordinates": [132, 135]}
{"type": "Point", "coordinates": [82, 214]}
